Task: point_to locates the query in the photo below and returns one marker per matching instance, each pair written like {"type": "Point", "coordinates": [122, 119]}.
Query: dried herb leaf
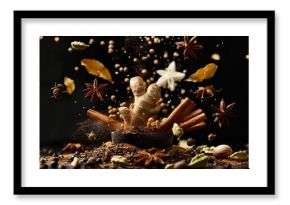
{"type": "Point", "coordinates": [204, 73]}
{"type": "Point", "coordinates": [240, 155]}
{"type": "Point", "coordinates": [199, 161]}
{"type": "Point", "coordinates": [96, 68]}
{"type": "Point", "coordinates": [70, 85]}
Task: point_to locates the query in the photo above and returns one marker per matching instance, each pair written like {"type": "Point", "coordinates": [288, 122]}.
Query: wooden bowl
{"type": "Point", "coordinates": [143, 140]}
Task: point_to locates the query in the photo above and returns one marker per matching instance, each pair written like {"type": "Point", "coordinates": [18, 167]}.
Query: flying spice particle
{"type": "Point", "coordinates": [144, 72]}
{"type": "Point", "coordinates": [151, 50]}
{"type": "Point", "coordinates": [110, 51]}
{"type": "Point", "coordinates": [102, 43]}
{"type": "Point", "coordinates": [91, 41]}
{"type": "Point", "coordinates": [175, 54]}
{"type": "Point", "coordinates": [156, 40]}
{"type": "Point", "coordinates": [247, 56]}
{"type": "Point", "coordinates": [76, 68]}
{"type": "Point", "coordinates": [113, 97]}
{"type": "Point", "coordinates": [121, 69]}
{"type": "Point", "coordinates": [117, 65]}
{"type": "Point", "coordinates": [165, 55]}
{"type": "Point", "coordinates": [56, 39]}
{"type": "Point", "coordinates": [216, 57]}
{"type": "Point", "coordinates": [126, 69]}
{"type": "Point", "coordinates": [156, 62]}
{"type": "Point", "coordinates": [70, 49]}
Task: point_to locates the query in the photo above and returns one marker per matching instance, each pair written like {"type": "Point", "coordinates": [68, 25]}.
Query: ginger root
{"type": "Point", "coordinates": [146, 104]}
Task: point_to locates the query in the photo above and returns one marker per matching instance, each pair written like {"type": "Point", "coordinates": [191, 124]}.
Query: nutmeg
{"type": "Point", "coordinates": [222, 151]}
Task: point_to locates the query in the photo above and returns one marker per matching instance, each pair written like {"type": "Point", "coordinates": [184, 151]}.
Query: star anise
{"type": "Point", "coordinates": [94, 90]}
{"type": "Point", "coordinates": [191, 47]}
{"type": "Point", "coordinates": [147, 159]}
{"type": "Point", "coordinates": [223, 113]}
{"type": "Point", "coordinates": [205, 92]}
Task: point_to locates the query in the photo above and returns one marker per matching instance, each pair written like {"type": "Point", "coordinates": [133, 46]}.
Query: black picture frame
{"type": "Point", "coordinates": [269, 189]}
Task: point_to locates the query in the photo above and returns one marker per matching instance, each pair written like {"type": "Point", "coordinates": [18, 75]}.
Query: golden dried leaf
{"type": "Point", "coordinates": [96, 68]}
{"type": "Point", "coordinates": [70, 85]}
{"type": "Point", "coordinates": [204, 73]}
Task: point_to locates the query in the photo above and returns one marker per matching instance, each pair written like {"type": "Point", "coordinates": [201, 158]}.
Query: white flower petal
{"type": "Point", "coordinates": [162, 81]}
{"type": "Point", "coordinates": [161, 72]}
{"type": "Point", "coordinates": [171, 84]}
{"type": "Point", "coordinates": [178, 76]}
{"type": "Point", "coordinates": [171, 67]}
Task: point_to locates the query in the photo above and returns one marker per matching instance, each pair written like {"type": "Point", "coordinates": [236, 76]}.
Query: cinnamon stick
{"type": "Point", "coordinates": [192, 114]}
{"type": "Point", "coordinates": [168, 122]}
{"type": "Point", "coordinates": [193, 121]}
{"type": "Point", "coordinates": [196, 127]}
{"type": "Point", "coordinates": [191, 105]}
{"type": "Point", "coordinates": [109, 122]}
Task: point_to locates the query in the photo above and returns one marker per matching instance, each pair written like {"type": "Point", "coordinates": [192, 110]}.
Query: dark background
{"type": "Point", "coordinates": [59, 118]}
